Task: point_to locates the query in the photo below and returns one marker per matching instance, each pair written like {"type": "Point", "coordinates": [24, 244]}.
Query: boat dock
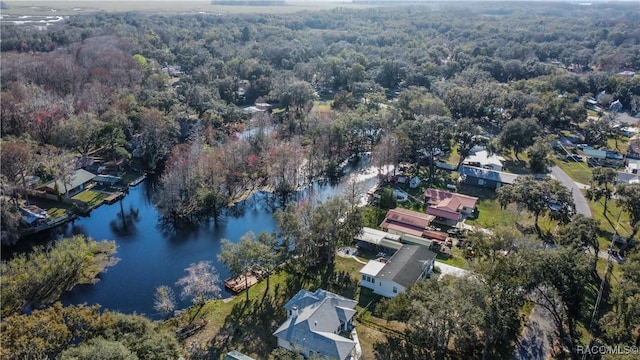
{"type": "Point", "coordinates": [113, 197]}
{"type": "Point", "coordinates": [138, 180]}
{"type": "Point", "coordinates": [241, 282]}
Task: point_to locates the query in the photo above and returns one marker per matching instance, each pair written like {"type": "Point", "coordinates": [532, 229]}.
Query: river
{"type": "Point", "coordinates": [152, 254]}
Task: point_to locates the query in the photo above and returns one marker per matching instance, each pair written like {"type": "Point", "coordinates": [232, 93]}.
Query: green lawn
{"type": "Point", "coordinates": [350, 265]}
{"type": "Point", "coordinates": [91, 198]}
{"type": "Point", "coordinates": [613, 220]}
{"type": "Point", "coordinates": [54, 209]}
{"type": "Point", "coordinates": [578, 171]}
{"type": "Point", "coordinates": [623, 144]}
{"type": "Point", "coordinates": [248, 326]}
{"type": "Point", "coordinates": [490, 214]}
{"type": "Point", "coordinates": [456, 260]}
{"type": "Point", "coordinates": [321, 106]}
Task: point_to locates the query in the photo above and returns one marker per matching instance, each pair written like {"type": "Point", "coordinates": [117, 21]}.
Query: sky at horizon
{"type": "Point", "coordinates": [314, 1]}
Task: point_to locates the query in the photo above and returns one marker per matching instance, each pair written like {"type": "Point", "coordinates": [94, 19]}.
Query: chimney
{"type": "Point", "coordinates": [294, 311]}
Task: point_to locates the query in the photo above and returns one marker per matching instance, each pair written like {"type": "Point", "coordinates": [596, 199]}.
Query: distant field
{"type": "Point", "coordinates": [63, 8]}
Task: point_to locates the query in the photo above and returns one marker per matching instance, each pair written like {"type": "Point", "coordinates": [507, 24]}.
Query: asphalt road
{"type": "Point", "coordinates": [582, 206]}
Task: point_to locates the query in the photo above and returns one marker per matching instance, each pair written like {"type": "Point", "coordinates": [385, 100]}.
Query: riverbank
{"type": "Point", "coordinates": [62, 210]}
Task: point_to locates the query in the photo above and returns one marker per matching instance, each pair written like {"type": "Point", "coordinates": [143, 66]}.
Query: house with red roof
{"type": "Point", "coordinates": [404, 221]}
{"type": "Point", "coordinates": [447, 207]}
{"type": "Point", "coordinates": [408, 222]}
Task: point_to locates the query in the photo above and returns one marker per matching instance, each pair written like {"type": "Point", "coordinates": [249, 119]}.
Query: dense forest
{"type": "Point", "coordinates": [175, 94]}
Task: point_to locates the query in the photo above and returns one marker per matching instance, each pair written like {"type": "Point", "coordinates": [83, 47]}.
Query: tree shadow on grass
{"type": "Point", "coordinates": [249, 327]}
{"type": "Point", "coordinates": [395, 348]}
{"type": "Point", "coordinates": [517, 167]}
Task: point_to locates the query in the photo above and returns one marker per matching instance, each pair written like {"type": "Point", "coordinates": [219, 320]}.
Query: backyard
{"type": "Point", "coordinates": [92, 198]}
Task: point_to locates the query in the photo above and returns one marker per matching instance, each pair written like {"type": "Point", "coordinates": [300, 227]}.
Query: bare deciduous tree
{"type": "Point", "coordinates": [201, 283]}
{"type": "Point", "coordinates": [164, 301]}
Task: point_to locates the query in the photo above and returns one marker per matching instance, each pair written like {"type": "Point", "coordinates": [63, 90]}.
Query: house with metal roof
{"type": "Point", "coordinates": [378, 239]}
{"type": "Point", "coordinates": [492, 179]}
{"type": "Point", "coordinates": [449, 208]}
{"type": "Point", "coordinates": [404, 221]}
{"type": "Point", "coordinates": [319, 324]}
{"type": "Point", "coordinates": [409, 264]}
{"type": "Point", "coordinates": [486, 160]}
{"type": "Point", "coordinates": [74, 185]}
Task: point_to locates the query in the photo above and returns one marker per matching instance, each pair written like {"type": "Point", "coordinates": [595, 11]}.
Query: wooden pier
{"type": "Point", "coordinates": [113, 197]}
{"type": "Point", "coordinates": [138, 180]}
{"type": "Point", "coordinates": [241, 282]}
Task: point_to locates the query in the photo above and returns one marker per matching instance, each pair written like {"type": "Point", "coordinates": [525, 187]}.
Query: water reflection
{"type": "Point", "coordinates": [153, 253]}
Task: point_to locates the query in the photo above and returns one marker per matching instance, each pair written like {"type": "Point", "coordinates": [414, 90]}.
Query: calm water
{"type": "Point", "coordinates": [152, 254]}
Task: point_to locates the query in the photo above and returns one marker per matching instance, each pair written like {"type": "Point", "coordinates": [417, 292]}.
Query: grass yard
{"type": "Point", "coordinates": [237, 324]}
{"type": "Point", "coordinates": [350, 265]}
{"type": "Point", "coordinates": [513, 165]}
{"type": "Point", "coordinates": [456, 260]}
{"type": "Point", "coordinates": [623, 144]}
{"type": "Point", "coordinates": [247, 326]}
{"type": "Point", "coordinates": [54, 209]}
{"type": "Point", "coordinates": [490, 214]}
{"type": "Point", "coordinates": [613, 220]}
{"type": "Point", "coordinates": [91, 198]}
{"type": "Point", "coordinates": [579, 171]}
{"type": "Point", "coordinates": [321, 106]}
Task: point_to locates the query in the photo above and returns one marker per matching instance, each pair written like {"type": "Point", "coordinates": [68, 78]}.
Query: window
{"type": "Point", "coordinates": [395, 290]}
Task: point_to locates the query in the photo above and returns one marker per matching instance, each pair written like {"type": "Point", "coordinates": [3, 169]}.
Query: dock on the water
{"type": "Point", "coordinates": [241, 282]}
{"type": "Point", "coordinates": [113, 197]}
{"type": "Point", "coordinates": [138, 180]}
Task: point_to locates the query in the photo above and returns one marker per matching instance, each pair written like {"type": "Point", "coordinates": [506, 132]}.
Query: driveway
{"type": "Point", "coordinates": [537, 337]}
{"type": "Point", "coordinates": [582, 206]}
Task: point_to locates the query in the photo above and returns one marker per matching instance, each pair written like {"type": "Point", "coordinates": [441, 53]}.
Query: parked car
{"type": "Point", "coordinates": [582, 146]}
{"type": "Point", "coordinates": [574, 157]}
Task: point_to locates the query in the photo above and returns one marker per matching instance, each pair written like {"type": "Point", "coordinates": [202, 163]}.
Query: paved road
{"type": "Point", "coordinates": [537, 337]}
{"type": "Point", "coordinates": [582, 207]}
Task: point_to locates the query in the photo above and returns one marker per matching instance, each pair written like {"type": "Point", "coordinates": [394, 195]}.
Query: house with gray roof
{"type": "Point", "coordinates": [493, 179]}
{"type": "Point", "coordinates": [409, 264]}
{"type": "Point", "coordinates": [319, 324]}
{"type": "Point", "coordinates": [75, 184]}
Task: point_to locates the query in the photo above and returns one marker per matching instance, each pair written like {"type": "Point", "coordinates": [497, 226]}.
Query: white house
{"type": "Point", "coordinates": [633, 166]}
{"type": "Point", "coordinates": [483, 159]}
{"type": "Point", "coordinates": [409, 264]}
{"type": "Point", "coordinates": [316, 325]}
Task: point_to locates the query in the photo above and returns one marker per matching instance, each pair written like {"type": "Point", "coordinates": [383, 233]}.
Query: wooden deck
{"type": "Point", "coordinates": [239, 283]}
{"type": "Point", "coordinates": [113, 197]}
